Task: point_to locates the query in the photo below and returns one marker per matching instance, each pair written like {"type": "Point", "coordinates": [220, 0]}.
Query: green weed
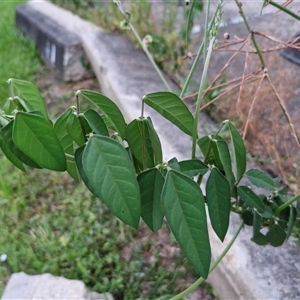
{"type": "Point", "coordinates": [19, 57]}
{"type": "Point", "coordinates": [49, 224]}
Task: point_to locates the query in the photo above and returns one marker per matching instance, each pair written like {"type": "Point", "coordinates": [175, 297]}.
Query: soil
{"type": "Point", "coordinates": [59, 96]}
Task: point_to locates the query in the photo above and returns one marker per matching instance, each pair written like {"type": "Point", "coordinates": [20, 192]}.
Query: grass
{"type": "Point", "coordinates": [49, 224]}
{"type": "Point", "coordinates": [19, 58]}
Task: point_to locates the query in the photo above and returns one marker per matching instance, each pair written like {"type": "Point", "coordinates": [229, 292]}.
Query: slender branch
{"type": "Point", "coordinates": [226, 92]}
{"type": "Point", "coordinates": [239, 4]}
{"type": "Point", "coordinates": [252, 106]}
{"type": "Point", "coordinates": [284, 110]}
{"type": "Point", "coordinates": [79, 118]}
{"type": "Point", "coordinates": [144, 47]}
{"type": "Point", "coordinates": [206, 30]}
{"type": "Point", "coordinates": [284, 9]}
{"type": "Point", "coordinates": [193, 68]}
{"type": "Point", "coordinates": [142, 109]}
{"type": "Point", "coordinates": [228, 62]}
{"type": "Point", "coordinates": [195, 285]}
{"type": "Point", "coordinates": [188, 23]}
{"type": "Point", "coordinates": [286, 204]}
{"type": "Point", "coordinates": [71, 157]}
{"type": "Point", "coordinates": [242, 82]}
{"type": "Point", "coordinates": [200, 95]}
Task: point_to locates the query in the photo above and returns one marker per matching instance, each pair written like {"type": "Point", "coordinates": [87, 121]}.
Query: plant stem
{"type": "Point", "coordinates": [193, 68]}
{"type": "Point", "coordinates": [158, 71]}
{"type": "Point", "coordinates": [200, 96]}
{"type": "Point", "coordinates": [206, 31]}
{"type": "Point", "coordinates": [215, 264]}
{"type": "Point", "coordinates": [188, 23]}
{"type": "Point", "coordinates": [289, 12]}
{"type": "Point", "coordinates": [79, 118]}
{"type": "Point", "coordinates": [259, 53]}
{"type": "Point", "coordinates": [71, 157]}
{"type": "Point", "coordinates": [286, 204]}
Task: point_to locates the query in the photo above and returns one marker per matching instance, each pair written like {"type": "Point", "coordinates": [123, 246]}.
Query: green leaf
{"type": "Point", "coordinates": [144, 142]}
{"type": "Point", "coordinates": [85, 125]}
{"type": "Point", "coordinates": [30, 95]}
{"type": "Point", "coordinates": [35, 137]}
{"type": "Point", "coordinates": [247, 217]}
{"type": "Point", "coordinates": [220, 147]}
{"type": "Point", "coordinates": [111, 176]}
{"type": "Point", "coordinates": [72, 169]}
{"type": "Point", "coordinates": [260, 239]}
{"type": "Point", "coordinates": [60, 128]}
{"type": "Point", "coordinates": [96, 122]}
{"type": "Point", "coordinates": [292, 221]}
{"type": "Point", "coordinates": [9, 106]}
{"type": "Point", "coordinates": [257, 236]}
{"type": "Point", "coordinates": [109, 109]}
{"type": "Point", "coordinates": [218, 202]}
{"type": "Point", "coordinates": [276, 236]}
{"type": "Point", "coordinates": [151, 183]}
{"type": "Point", "coordinates": [257, 223]}
{"type": "Point", "coordinates": [137, 137]}
{"type": "Point", "coordinates": [239, 152]}
{"type": "Point", "coordinates": [206, 146]}
{"type": "Point", "coordinates": [250, 198]}
{"type": "Point", "coordinates": [184, 208]}
{"type": "Point", "coordinates": [172, 108]}
{"type": "Point", "coordinates": [260, 179]}
{"type": "Point", "coordinates": [173, 164]}
{"type": "Point", "coordinates": [155, 142]}
{"type": "Point", "coordinates": [11, 157]}
{"type": "Point", "coordinates": [78, 159]}
{"type": "Point", "coordinates": [3, 121]}
{"type": "Point", "coordinates": [268, 212]}
{"type": "Point", "coordinates": [74, 130]}
{"type": "Point", "coordinates": [7, 136]}
{"type": "Point", "coordinates": [193, 167]}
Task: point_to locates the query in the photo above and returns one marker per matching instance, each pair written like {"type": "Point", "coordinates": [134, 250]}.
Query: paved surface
{"type": "Point", "coordinates": [124, 73]}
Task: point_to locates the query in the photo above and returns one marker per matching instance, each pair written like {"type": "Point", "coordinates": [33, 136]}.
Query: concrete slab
{"type": "Point", "coordinates": [60, 49]}
{"type": "Point", "coordinates": [47, 286]}
{"type": "Point", "coordinates": [248, 271]}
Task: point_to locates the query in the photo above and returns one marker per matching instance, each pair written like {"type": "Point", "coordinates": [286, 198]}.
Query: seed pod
{"type": "Point", "coordinates": [147, 40]}
{"type": "Point", "coordinates": [226, 36]}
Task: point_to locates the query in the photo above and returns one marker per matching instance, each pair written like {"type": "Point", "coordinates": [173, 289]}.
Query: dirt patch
{"type": "Point", "coordinates": [60, 95]}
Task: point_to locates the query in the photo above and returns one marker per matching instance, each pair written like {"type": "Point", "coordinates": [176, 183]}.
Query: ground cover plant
{"type": "Point", "coordinates": [16, 51]}
{"type": "Point", "coordinates": [87, 144]}
{"type": "Point", "coordinates": [42, 227]}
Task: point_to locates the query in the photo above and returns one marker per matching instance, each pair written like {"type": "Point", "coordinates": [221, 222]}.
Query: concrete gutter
{"type": "Point", "coordinates": [125, 75]}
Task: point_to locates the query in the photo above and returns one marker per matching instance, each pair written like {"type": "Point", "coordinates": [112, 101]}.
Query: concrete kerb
{"type": "Point", "coordinates": [125, 75]}
{"type": "Point", "coordinates": [47, 286]}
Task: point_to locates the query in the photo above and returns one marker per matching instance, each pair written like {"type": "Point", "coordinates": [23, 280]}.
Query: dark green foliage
{"type": "Point", "coordinates": [123, 166]}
